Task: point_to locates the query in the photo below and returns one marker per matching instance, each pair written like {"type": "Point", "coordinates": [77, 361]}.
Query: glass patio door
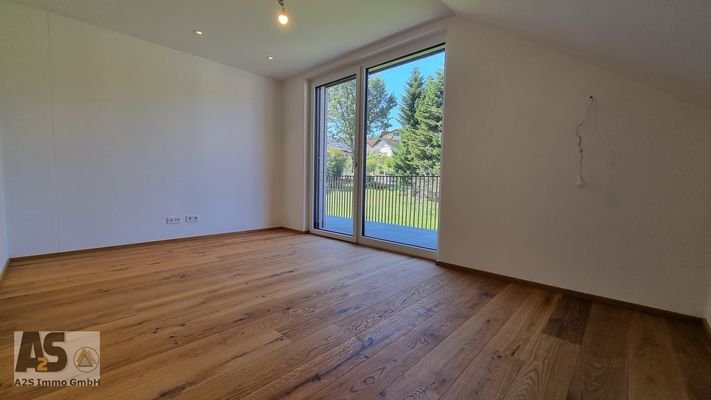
{"type": "Point", "coordinates": [335, 150]}
{"type": "Point", "coordinates": [402, 156]}
{"type": "Point", "coordinates": [376, 152]}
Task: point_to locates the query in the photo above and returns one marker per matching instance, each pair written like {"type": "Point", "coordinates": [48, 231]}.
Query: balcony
{"type": "Point", "coordinates": [400, 209]}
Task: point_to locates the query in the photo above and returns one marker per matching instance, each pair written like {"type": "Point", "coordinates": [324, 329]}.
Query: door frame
{"type": "Point", "coordinates": [359, 71]}
{"type": "Point", "coordinates": [333, 77]}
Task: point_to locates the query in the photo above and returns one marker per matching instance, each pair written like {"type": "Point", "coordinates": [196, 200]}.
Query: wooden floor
{"type": "Point", "coordinates": [275, 315]}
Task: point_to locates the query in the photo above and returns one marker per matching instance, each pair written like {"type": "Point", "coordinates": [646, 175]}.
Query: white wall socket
{"type": "Point", "coordinates": [172, 220]}
{"type": "Point", "coordinates": [191, 219]}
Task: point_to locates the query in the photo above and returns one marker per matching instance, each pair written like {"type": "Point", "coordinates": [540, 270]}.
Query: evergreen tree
{"type": "Point", "coordinates": [403, 159]}
{"type": "Point", "coordinates": [427, 148]}
{"type": "Point", "coordinates": [421, 140]}
{"type": "Point", "coordinates": [415, 86]}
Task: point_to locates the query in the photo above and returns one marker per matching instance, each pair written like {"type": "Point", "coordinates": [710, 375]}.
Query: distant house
{"type": "Point", "coordinates": [334, 144]}
{"type": "Point", "coordinates": [387, 144]}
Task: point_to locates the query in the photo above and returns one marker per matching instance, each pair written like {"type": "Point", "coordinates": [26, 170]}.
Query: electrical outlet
{"type": "Point", "coordinates": [172, 220]}
{"type": "Point", "coordinates": [191, 219]}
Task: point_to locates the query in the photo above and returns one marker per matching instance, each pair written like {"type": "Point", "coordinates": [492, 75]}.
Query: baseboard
{"type": "Point", "coordinates": [294, 230]}
{"type": "Point", "coordinates": [4, 269]}
{"type": "Point", "coordinates": [583, 295]}
{"type": "Point", "coordinates": [123, 246]}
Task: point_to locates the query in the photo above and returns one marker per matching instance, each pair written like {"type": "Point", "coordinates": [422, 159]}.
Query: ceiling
{"type": "Point", "coordinates": [668, 41]}
{"type": "Point", "coordinates": [242, 33]}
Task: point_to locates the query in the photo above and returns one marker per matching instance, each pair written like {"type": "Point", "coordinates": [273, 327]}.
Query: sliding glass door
{"type": "Point", "coordinates": [334, 154]}
{"type": "Point", "coordinates": [403, 133]}
{"type": "Point", "coordinates": [376, 152]}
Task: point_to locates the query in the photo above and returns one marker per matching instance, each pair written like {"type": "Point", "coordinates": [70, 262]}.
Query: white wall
{"type": "Point", "coordinates": [105, 135]}
{"type": "Point", "coordinates": [295, 154]}
{"type": "Point", "coordinates": [639, 232]}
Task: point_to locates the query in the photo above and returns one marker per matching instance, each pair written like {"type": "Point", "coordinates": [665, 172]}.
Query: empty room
{"type": "Point", "coordinates": [355, 199]}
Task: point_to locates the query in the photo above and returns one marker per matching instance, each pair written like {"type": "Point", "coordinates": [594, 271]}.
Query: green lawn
{"type": "Point", "coordinates": [390, 206]}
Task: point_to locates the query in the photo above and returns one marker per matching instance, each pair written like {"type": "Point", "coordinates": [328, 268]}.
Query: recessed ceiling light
{"type": "Point", "coordinates": [198, 32]}
{"type": "Point", "coordinates": [270, 58]}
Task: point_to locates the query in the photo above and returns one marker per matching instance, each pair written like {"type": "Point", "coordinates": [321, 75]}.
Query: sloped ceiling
{"type": "Point", "coordinates": [242, 33]}
{"type": "Point", "coordinates": [665, 42]}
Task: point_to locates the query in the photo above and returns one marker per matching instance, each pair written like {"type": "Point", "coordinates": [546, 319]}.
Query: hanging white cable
{"type": "Point", "coordinates": [581, 181]}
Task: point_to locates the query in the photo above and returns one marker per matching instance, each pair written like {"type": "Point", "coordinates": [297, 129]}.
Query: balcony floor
{"type": "Point", "coordinates": [393, 233]}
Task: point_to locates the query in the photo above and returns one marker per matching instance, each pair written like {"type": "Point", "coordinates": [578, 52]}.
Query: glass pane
{"type": "Point", "coordinates": [335, 144]}
{"type": "Point", "coordinates": [403, 146]}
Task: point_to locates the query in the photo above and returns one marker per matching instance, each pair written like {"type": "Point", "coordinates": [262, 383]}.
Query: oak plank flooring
{"type": "Point", "coordinates": [654, 372]}
{"type": "Point", "coordinates": [569, 319]}
{"type": "Point", "coordinates": [436, 371]}
{"type": "Point", "coordinates": [601, 371]}
{"type": "Point", "coordinates": [547, 373]}
{"type": "Point", "coordinates": [384, 368]}
{"type": "Point", "coordinates": [372, 333]}
{"type": "Point", "coordinates": [491, 373]}
{"type": "Point", "coordinates": [281, 315]}
{"type": "Point", "coordinates": [693, 353]}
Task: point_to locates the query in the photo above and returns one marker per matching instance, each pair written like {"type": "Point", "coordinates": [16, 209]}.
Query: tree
{"type": "Point", "coordinates": [421, 139]}
{"type": "Point", "coordinates": [341, 115]}
{"type": "Point", "coordinates": [415, 85]}
{"type": "Point", "coordinates": [428, 138]}
{"type": "Point", "coordinates": [403, 159]}
{"type": "Point", "coordinates": [336, 162]}
{"type": "Point", "coordinates": [378, 164]}
{"type": "Point", "coordinates": [341, 112]}
{"type": "Point", "coordinates": [380, 104]}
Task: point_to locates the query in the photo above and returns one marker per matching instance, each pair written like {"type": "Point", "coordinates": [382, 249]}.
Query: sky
{"type": "Point", "coordinates": [396, 79]}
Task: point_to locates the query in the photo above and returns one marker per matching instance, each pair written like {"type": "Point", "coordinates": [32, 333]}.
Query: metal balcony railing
{"type": "Point", "coordinates": [411, 201]}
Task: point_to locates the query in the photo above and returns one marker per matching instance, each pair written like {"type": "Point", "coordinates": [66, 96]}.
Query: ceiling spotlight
{"type": "Point", "coordinates": [270, 58]}
{"type": "Point", "coordinates": [198, 32]}
{"type": "Point", "coordinates": [283, 18]}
